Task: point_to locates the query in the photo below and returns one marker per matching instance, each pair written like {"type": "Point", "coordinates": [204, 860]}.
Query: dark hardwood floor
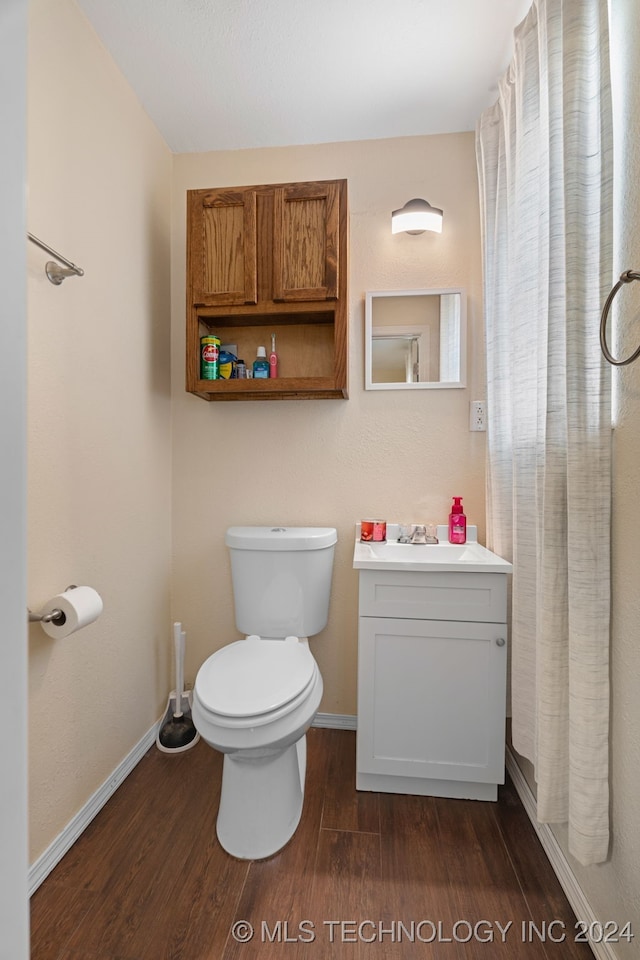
{"type": "Point", "coordinates": [365, 875]}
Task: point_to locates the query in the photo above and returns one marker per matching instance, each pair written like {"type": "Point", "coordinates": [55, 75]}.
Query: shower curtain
{"type": "Point", "coordinates": [545, 170]}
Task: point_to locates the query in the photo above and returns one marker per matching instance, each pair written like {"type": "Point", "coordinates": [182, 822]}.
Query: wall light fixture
{"type": "Point", "coordinates": [415, 217]}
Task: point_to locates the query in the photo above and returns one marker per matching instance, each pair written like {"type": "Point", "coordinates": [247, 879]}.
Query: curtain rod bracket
{"type": "Point", "coordinates": [56, 273]}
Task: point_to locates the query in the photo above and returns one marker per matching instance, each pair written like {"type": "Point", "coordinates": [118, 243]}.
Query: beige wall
{"type": "Point", "coordinates": [99, 413]}
{"type": "Point", "coordinates": [395, 454]}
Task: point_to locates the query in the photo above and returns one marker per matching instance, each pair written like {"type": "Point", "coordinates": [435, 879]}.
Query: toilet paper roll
{"type": "Point", "coordinates": [79, 606]}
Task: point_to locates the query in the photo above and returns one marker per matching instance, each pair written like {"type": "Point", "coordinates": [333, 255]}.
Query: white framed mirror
{"type": "Point", "coordinates": [415, 339]}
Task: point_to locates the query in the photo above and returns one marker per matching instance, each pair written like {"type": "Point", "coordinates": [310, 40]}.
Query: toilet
{"type": "Point", "coordinates": [254, 699]}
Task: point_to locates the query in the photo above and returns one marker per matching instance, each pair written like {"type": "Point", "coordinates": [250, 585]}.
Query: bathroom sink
{"type": "Point", "coordinates": [442, 556]}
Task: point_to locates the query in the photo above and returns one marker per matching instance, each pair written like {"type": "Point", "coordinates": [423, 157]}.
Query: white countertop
{"type": "Point", "coordinates": [443, 556]}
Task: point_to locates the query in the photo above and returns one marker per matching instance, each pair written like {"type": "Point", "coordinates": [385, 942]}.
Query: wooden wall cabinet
{"type": "Point", "coordinates": [270, 259]}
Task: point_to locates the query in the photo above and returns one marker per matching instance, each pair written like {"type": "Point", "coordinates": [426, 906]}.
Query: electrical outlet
{"type": "Point", "coordinates": [478, 415]}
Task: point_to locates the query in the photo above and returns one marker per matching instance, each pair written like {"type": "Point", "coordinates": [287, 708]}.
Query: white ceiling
{"type": "Point", "coordinates": [228, 74]}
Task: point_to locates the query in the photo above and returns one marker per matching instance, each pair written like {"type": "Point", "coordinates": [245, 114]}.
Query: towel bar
{"type": "Point", "coordinates": [626, 277]}
{"type": "Point", "coordinates": [56, 273]}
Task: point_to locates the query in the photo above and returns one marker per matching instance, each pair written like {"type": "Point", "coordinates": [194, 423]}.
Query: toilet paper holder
{"type": "Point", "coordinates": [54, 616]}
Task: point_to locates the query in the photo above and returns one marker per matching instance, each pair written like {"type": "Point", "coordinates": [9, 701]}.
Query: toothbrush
{"type": "Point", "coordinates": [273, 358]}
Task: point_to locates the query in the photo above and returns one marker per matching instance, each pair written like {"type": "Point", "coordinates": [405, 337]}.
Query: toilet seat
{"type": "Point", "coordinates": [252, 682]}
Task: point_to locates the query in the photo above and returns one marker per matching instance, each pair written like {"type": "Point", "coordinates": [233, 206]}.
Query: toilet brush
{"type": "Point", "coordinates": [177, 732]}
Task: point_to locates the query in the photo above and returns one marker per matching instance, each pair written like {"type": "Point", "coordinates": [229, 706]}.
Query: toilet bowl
{"type": "Point", "coordinates": [254, 700]}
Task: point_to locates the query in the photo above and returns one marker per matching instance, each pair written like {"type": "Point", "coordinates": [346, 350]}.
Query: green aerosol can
{"type": "Point", "coordinates": [209, 357]}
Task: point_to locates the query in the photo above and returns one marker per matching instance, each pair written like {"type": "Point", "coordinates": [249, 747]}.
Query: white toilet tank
{"type": "Point", "coordinates": [281, 579]}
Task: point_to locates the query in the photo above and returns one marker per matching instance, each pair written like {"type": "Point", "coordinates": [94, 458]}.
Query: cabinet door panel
{"type": "Point", "coordinates": [223, 248]}
{"type": "Point", "coordinates": [306, 238]}
{"type": "Point", "coordinates": [433, 596]}
{"type": "Point", "coordinates": [431, 699]}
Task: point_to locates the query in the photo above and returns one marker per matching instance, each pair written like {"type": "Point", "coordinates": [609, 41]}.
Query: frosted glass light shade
{"type": "Point", "coordinates": [415, 217]}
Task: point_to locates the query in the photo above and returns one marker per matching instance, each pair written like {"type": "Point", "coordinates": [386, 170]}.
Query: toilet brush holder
{"type": "Point", "coordinates": [176, 731]}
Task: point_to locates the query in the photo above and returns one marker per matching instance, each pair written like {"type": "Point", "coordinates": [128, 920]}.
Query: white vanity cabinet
{"type": "Point", "coordinates": [432, 657]}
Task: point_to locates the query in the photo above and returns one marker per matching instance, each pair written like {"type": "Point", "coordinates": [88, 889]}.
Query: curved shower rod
{"type": "Point", "coordinates": [625, 277]}
{"type": "Point", "coordinates": [56, 273]}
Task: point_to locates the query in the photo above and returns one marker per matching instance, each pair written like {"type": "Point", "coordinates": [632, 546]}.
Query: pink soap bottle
{"type": "Point", "coordinates": [457, 522]}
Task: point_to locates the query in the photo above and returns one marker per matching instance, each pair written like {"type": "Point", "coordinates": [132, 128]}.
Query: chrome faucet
{"type": "Point", "coordinates": [418, 533]}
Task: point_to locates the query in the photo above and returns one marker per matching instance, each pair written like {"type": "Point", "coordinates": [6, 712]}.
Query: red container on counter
{"type": "Point", "coordinates": [373, 530]}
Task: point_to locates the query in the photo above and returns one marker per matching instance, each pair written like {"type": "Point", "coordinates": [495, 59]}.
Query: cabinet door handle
{"type": "Point", "coordinates": [500, 641]}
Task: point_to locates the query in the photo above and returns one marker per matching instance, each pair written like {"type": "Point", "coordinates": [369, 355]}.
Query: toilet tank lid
{"type": "Point", "coordinates": [281, 538]}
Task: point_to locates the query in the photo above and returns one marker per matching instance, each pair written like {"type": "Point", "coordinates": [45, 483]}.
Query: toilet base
{"type": "Point", "coordinates": [261, 801]}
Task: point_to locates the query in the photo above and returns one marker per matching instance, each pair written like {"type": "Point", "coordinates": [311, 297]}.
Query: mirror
{"type": "Point", "coordinates": [415, 339]}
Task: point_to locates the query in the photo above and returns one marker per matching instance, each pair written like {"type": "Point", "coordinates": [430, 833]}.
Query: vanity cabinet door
{"type": "Point", "coordinates": [431, 700]}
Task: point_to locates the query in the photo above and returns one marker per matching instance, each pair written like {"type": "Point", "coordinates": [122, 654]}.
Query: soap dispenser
{"type": "Point", "coordinates": [457, 522]}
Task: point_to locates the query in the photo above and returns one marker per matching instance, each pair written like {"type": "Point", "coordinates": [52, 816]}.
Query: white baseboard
{"type": "Point", "coordinates": [335, 721]}
{"type": "Point", "coordinates": [561, 866]}
{"type": "Point", "coordinates": [42, 867]}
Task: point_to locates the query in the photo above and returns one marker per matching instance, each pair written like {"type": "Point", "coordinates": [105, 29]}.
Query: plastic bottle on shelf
{"type": "Point", "coordinates": [261, 365]}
